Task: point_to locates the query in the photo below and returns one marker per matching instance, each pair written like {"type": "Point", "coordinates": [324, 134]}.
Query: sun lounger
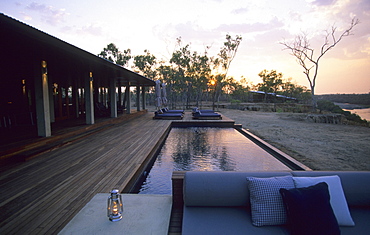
{"type": "Point", "coordinates": [158, 115]}
{"type": "Point", "coordinates": [206, 115]}
{"type": "Point", "coordinates": [202, 110]}
{"type": "Point", "coordinates": [166, 110]}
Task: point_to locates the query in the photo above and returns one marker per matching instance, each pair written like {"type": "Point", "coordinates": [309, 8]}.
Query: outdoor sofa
{"type": "Point", "coordinates": [222, 202]}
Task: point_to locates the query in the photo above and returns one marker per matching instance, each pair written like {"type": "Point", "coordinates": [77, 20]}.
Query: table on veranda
{"type": "Point", "coordinates": [142, 214]}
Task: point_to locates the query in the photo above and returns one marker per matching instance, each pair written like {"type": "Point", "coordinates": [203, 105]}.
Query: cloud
{"type": "Point", "coordinates": [25, 16]}
{"type": "Point", "coordinates": [92, 29]}
{"type": "Point", "coordinates": [273, 36]}
{"type": "Point", "coordinates": [189, 31]}
{"type": "Point", "coordinates": [357, 45]}
{"type": "Point", "coordinates": [339, 14]}
{"type": "Point", "coordinates": [359, 9]}
{"type": "Point", "coordinates": [341, 11]}
{"type": "Point", "coordinates": [83, 31]}
{"type": "Point", "coordinates": [295, 16]}
{"type": "Point", "coordinates": [250, 28]}
{"type": "Point", "coordinates": [323, 2]}
{"type": "Point", "coordinates": [242, 10]}
{"type": "Point", "coordinates": [48, 13]}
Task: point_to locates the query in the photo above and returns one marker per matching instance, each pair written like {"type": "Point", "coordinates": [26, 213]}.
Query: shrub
{"type": "Point", "coordinates": [326, 105]}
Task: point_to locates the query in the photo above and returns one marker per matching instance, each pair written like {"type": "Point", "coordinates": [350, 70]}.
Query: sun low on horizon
{"type": "Point", "coordinates": [155, 25]}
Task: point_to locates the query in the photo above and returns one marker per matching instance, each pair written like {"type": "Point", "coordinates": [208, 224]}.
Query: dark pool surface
{"type": "Point", "coordinates": [206, 149]}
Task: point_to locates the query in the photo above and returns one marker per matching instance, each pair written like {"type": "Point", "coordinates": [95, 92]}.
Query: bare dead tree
{"type": "Point", "coordinates": [301, 49]}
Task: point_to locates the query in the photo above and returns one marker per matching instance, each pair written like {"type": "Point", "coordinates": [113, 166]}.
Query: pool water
{"type": "Point", "coordinates": [205, 149]}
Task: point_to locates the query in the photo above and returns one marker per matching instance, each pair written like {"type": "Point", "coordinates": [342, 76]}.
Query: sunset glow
{"type": "Point", "coordinates": [155, 25]}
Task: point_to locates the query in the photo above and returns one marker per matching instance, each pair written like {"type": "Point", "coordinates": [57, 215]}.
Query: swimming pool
{"type": "Point", "coordinates": [205, 149]}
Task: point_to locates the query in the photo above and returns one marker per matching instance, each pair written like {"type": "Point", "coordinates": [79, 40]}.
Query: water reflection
{"type": "Point", "coordinates": [205, 149]}
{"type": "Point", "coordinates": [200, 149]}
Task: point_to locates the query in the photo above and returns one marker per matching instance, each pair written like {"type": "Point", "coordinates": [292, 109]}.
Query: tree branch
{"type": "Point", "coordinates": [346, 33]}
{"type": "Point", "coordinates": [300, 48]}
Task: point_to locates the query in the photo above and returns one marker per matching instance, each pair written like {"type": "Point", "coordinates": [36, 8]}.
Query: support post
{"type": "Point", "coordinates": [143, 97]}
{"type": "Point", "coordinates": [113, 98]}
{"type": "Point", "coordinates": [89, 99]}
{"type": "Point", "coordinates": [128, 99]}
{"type": "Point", "coordinates": [75, 99]}
{"type": "Point", "coordinates": [138, 98]}
{"type": "Point", "coordinates": [119, 94]}
{"type": "Point", "coordinates": [51, 101]}
{"type": "Point", "coordinates": [42, 100]}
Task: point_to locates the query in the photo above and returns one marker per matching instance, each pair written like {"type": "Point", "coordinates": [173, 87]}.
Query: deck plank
{"type": "Point", "coordinates": [40, 196]}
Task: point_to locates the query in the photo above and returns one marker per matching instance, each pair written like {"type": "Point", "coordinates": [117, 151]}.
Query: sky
{"type": "Point", "coordinates": [155, 24]}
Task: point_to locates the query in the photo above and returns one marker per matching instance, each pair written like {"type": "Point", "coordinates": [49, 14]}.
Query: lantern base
{"type": "Point", "coordinates": [115, 218]}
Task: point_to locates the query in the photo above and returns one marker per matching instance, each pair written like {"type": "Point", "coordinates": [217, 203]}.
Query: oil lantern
{"type": "Point", "coordinates": [115, 207]}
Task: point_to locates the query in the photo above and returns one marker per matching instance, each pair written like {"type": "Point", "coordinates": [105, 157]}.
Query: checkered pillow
{"type": "Point", "coordinates": [266, 202]}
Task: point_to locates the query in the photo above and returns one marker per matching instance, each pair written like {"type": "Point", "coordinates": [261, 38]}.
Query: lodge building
{"type": "Point", "coordinates": [45, 80]}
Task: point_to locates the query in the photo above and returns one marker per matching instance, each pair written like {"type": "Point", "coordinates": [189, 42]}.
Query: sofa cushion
{"type": "Point", "coordinates": [337, 198]}
{"type": "Point", "coordinates": [266, 203]}
{"type": "Point", "coordinates": [225, 188]}
{"type": "Point", "coordinates": [309, 210]}
{"type": "Point", "coordinates": [353, 183]}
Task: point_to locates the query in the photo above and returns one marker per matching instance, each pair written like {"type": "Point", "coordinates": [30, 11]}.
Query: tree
{"type": "Point", "coordinates": [228, 53]}
{"type": "Point", "coordinates": [271, 82]}
{"type": "Point", "coordinates": [226, 56]}
{"type": "Point", "coordinates": [301, 49]}
{"type": "Point", "coordinates": [146, 64]}
{"type": "Point", "coordinates": [199, 72]}
{"type": "Point", "coordinates": [181, 60]}
{"type": "Point", "coordinates": [237, 90]}
{"type": "Point", "coordinates": [290, 89]}
{"type": "Point", "coordinates": [112, 53]}
{"type": "Point", "coordinates": [166, 74]}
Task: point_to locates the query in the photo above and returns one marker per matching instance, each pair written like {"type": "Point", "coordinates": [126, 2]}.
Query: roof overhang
{"type": "Point", "coordinates": [24, 44]}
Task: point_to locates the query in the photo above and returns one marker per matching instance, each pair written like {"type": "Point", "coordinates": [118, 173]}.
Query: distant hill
{"type": "Point", "coordinates": [363, 99]}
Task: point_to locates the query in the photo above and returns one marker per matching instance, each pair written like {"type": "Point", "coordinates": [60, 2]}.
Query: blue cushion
{"type": "Point", "coordinates": [309, 210]}
{"type": "Point", "coordinates": [168, 114]}
{"type": "Point", "coordinates": [267, 207]}
{"type": "Point", "coordinates": [199, 114]}
{"type": "Point", "coordinates": [337, 197]}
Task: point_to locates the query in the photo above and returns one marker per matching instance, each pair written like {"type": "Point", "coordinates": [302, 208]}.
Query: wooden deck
{"type": "Point", "coordinates": [41, 195]}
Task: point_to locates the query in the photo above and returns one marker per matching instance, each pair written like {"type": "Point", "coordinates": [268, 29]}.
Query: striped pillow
{"type": "Point", "coordinates": [267, 206]}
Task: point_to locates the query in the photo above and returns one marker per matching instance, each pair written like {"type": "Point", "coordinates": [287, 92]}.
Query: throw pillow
{"type": "Point", "coordinates": [337, 199]}
{"type": "Point", "coordinates": [309, 210]}
{"type": "Point", "coordinates": [267, 207]}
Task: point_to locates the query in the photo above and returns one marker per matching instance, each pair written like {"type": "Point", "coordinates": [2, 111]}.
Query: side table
{"type": "Point", "coordinates": [142, 214]}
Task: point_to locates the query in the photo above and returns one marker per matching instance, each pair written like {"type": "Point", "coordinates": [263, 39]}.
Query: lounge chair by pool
{"type": "Point", "coordinates": [206, 115]}
{"type": "Point", "coordinates": [166, 110]}
{"type": "Point", "coordinates": [158, 115]}
{"type": "Point", "coordinates": [202, 110]}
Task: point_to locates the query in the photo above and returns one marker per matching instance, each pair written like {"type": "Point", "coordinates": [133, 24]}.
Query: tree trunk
{"type": "Point", "coordinates": [314, 100]}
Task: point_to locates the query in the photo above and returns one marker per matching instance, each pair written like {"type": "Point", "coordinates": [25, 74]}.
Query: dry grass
{"type": "Point", "coordinates": [320, 146]}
